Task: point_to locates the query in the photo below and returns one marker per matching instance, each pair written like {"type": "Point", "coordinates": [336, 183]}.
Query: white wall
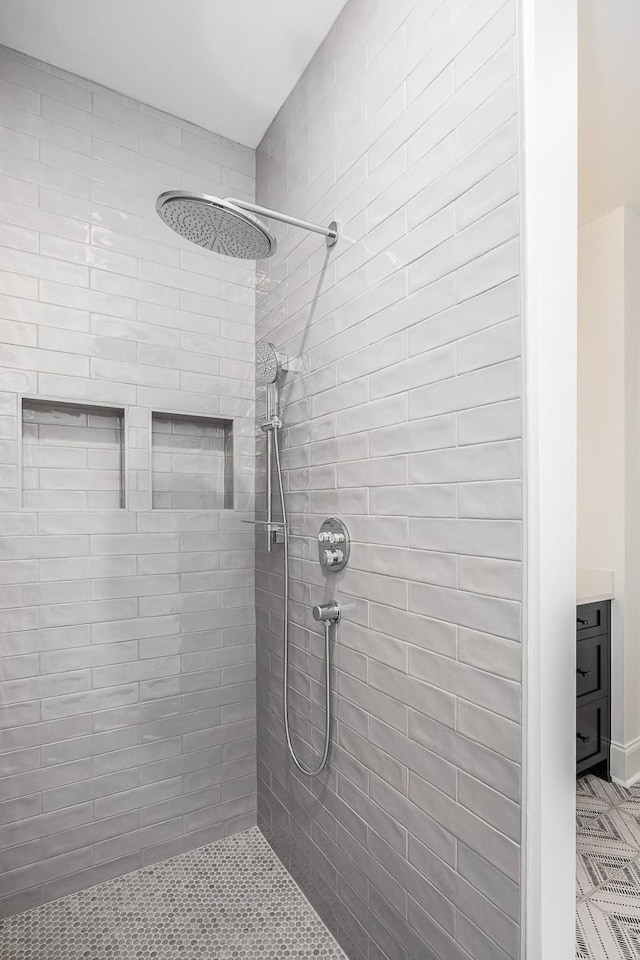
{"type": "Point", "coordinates": [601, 421]}
{"type": "Point", "coordinates": [549, 172]}
{"type": "Point", "coordinates": [631, 732]}
{"type": "Point", "coordinates": [608, 463]}
{"type": "Point", "coordinates": [609, 142]}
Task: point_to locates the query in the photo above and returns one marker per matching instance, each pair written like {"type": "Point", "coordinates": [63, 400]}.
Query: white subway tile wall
{"type": "Point", "coordinates": [403, 417]}
{"type": "Point", "coordinates": [127, 647]}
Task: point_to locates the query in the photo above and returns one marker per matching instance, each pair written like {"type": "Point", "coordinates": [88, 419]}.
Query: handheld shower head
{"type": "Point", "coordinates": [269, 363]}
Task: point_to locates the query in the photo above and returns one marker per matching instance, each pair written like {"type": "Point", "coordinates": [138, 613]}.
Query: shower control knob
{"type": "Point", "coordinates": [326, 536]}
{"type": "Point", "coordinates": [333, 545]}
{"type": "Point", "coordinates": [333, 558]}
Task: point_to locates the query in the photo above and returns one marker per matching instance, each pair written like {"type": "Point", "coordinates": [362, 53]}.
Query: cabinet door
{"type": "Point", "coordinates": [592, 734]}
{"type": "Point", "coordinates": [592, 666]}
{"type": "Point", "coordinates": [592, 619]}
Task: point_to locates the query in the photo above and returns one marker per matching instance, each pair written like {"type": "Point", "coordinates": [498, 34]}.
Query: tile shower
{"type": "Point", "coordinates": [129, 640]}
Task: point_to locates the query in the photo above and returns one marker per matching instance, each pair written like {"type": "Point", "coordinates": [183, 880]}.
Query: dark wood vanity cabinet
{"type": "Point", "coordinates": [593, 688]}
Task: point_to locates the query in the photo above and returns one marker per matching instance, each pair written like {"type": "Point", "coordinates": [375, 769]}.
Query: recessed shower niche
{"type": "Point", "coordinates": [72, 456]}
{"type": "Point", "coordinates": [191, 463]}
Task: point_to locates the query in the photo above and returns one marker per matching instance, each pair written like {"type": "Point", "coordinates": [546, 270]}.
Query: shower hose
{"type": "Point", "coordinates": [309, 771]}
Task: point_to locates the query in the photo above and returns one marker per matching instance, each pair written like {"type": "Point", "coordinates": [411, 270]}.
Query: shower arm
{"type": "Point", "coordinates": [330, 232]}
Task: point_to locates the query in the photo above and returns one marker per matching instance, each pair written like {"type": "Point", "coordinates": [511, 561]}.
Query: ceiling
{"type": "Point", "coordinates": [227, 65]}
{"type": "Point", "coordinates": [609, 114]}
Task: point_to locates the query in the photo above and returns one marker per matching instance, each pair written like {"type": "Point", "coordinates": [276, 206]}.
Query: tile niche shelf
{"type": "Point", "coordinates": [191, 463]}
{"type": "Point", "coordinates": [72, 456]}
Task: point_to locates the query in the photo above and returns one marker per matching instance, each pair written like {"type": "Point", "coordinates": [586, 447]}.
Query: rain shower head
{"type": "Point", "coordinates": [269, 363]}
{"type": "Point", "coordinates": [228, 226]}
{"type": "Point", "coordinates": [216, 224]}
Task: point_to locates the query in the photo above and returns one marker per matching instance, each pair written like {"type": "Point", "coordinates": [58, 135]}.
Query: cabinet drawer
{"type": "Point", "coordinates": [592, 666]}
{"type": "Point", "coordinates": [592, 729]}
{"type": "Point", "coordinates": [592, 619]}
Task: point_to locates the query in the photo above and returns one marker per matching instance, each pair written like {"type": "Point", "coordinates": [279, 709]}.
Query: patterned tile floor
{"type": "Point", "coordinates": [608, 871]}
{"type": "Point", "coordinates": [232, 900]}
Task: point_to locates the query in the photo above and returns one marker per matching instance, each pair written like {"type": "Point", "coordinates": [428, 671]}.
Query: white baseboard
{"type": "Point", "coordinates": [625, 762]}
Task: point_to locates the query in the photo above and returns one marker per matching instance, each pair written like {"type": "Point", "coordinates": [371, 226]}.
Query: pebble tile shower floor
{"type": "Point", "coordinates": [232, 900]}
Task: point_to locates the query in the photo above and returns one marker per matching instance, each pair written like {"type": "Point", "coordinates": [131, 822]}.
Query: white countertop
{"type": "Point", "coordinates": [594, 585]}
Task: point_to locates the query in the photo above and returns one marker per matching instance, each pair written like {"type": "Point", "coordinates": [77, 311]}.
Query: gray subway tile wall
{"type": "Point", "coordinates": [403, 417]}
{"type": "Point", "coordinates": [127, 693]}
